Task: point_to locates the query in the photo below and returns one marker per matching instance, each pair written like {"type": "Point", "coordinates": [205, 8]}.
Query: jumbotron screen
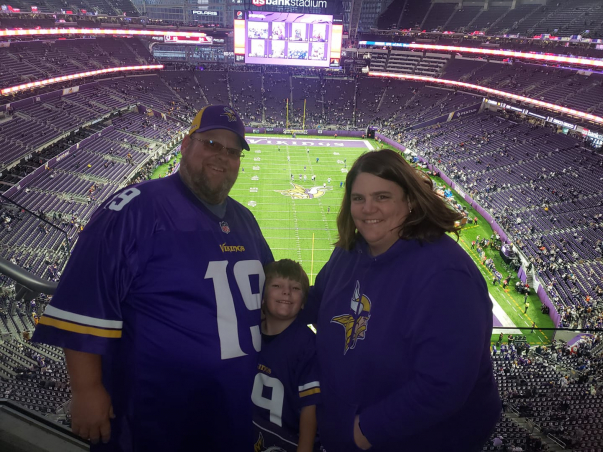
{"type": "Point", "coordinates": [289, 39]}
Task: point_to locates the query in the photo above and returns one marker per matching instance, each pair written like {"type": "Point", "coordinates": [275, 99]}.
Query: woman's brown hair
{"type": "Point", "coordinates": [430, 217]}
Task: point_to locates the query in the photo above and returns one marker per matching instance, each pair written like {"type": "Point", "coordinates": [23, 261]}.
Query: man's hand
{"type": "Point", "coordinates": [91, 411]}
{"type": "Point", "coordinates": [359, 438]}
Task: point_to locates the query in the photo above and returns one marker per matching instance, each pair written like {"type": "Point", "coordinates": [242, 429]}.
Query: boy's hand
{"type": "Point", "coordinates": [91, 411]}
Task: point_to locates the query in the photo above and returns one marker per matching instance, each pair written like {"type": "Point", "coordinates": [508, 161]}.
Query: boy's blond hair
{"type": "Point", "coordinates": [287, 268]}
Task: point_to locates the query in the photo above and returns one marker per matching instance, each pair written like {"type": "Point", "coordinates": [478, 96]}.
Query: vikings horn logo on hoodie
{"type": "Point", "coordinates": [356, 323]}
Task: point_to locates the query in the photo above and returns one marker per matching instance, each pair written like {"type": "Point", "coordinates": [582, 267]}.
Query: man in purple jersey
{"type": "Point", "coordinates": [158, 309]}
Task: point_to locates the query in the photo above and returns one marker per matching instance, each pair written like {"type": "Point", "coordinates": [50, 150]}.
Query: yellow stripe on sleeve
{"type": "Point", "coordinates": [81, 329]}
{"type": "Point", "coordinates": [308, 392]}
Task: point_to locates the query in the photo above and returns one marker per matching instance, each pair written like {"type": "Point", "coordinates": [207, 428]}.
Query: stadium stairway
{"type": "Point", "coordinates": [450, 18]}
{"type": "Point", "coordinates": [468, 76]}
{"type": "Point", "coordinates": [78, 64]}
{"type": "Point", "coordinates": [177, 96]}
{"type": "Point", "coordinates": [229, 90]}
{"type": "Point", "coordinates": [291, 90]}
{"type": "Point", "coordinates": [205, 97]}
{"type": "Point", "coordinates": [382, 98]}
{"type": "Point", "coordinates": [140, 59]}
{"type": "Point", "coordinates": [495, 23]}
{"type": "Point", "coordinates": [521, 422]}
{"type": "Point", "coordinates": [264, 100]}
{"type": "Point", "coordinates": [426, 15]}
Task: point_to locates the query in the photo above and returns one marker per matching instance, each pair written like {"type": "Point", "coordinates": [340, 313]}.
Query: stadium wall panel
{"type": "Point", "coordinates": [281, 130]}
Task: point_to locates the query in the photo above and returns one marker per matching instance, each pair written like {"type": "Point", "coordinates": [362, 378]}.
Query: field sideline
{"type": "Point", "coordinates": [298, 216]}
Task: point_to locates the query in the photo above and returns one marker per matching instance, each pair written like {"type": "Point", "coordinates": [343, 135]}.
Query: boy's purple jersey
{"type": "Point", "coordinates": [286, 381]}
{"type": "Point", "coordinates": [169, 295]}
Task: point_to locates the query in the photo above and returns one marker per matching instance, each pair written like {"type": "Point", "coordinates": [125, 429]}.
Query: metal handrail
{"type": "Point", "coordinates": [26, 279]}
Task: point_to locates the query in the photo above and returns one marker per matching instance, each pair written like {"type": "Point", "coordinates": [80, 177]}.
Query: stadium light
{"type": "Point", "coordinates": [493, 92]}
{"type": "Point", "coordinates": [96, 31]}
{"type": "Point", "coordinates": [63, 78]}
{"type": "Point", "coordinates": [589, 62]}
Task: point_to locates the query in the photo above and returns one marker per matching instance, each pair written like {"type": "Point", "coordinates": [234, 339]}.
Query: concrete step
{"type": "Point", "coordinates": [535, 431]}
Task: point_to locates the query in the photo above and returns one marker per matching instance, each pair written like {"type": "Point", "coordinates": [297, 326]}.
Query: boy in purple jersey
{"type": "Point", "coordinates": [286, 388]}
{"type": "Point", "coordinates": [158, 309]}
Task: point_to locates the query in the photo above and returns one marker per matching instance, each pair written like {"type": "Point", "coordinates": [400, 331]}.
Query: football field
{"type": "Point", "coordinates": [298, 214]}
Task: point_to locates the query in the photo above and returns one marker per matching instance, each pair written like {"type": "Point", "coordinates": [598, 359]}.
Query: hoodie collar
{"type": "Point", "coordinates": [399, 247]}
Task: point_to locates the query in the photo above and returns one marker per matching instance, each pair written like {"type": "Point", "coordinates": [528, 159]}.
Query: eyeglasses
{"type": "Point", "coordinates": [216, 147]}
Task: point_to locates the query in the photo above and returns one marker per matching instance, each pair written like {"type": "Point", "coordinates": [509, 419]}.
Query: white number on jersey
{"type": "Point", "coordinates": [275, 404]}
{"type": "Point", "coordinates": [225, 308]}
{"type": "Point", "coordinates": [123, 198]}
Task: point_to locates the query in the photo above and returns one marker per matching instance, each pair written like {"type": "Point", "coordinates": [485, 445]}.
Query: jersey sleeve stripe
{"type": "Point", "coordinates": [312, 384]}
{"type": "Point", "coordinates": [82, 319]}
{"type": "Point", "coordinates": [309, 392]}
{"type": "Point", "coordinates": [80, 329]}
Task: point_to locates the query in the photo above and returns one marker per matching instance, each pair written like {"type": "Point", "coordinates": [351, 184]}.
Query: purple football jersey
{"type": "Point", "coordinates": [286, 381]}
{"type": "Point", "coordinates": [169, 295]}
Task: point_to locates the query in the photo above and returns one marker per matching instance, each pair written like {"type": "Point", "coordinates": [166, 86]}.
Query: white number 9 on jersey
{"type": "Point", "coordinates": [274, 404]}
{"type": "Point", "coordinates": [123, 198]}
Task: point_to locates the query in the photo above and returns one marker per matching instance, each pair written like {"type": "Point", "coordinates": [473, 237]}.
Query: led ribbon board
{"type": "Point", "coordinates": [64, 78]}
{"type": "Point", "coordinates": [97, 31]}
{"type": "Point", "coordinates": [493, 92]}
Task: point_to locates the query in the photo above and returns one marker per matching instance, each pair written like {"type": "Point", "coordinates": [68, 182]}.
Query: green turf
{"type": "Point", "coordinates": [162, 170]}
{"type": "Point", "coordinates": [508, 299]}
{"type": "Point", "coordinates": [300, 229]}
{"type": "Point", "coordinates": [305, 230]}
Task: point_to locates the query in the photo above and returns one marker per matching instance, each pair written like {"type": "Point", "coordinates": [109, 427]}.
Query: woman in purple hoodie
{"type": "Point", "coordinates": [404, 321]}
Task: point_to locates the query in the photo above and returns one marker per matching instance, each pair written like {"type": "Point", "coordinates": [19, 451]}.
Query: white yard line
{"type": "Point", "coordinates": [368, 145]}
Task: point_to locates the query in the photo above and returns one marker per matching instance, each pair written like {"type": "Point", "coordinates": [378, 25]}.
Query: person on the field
{"type": "Point", "coordinates": [158, 309]}
{"type": "Point", "coordinates": [404, 321]}
{"type": "Point", "coordinates": [287, 365]}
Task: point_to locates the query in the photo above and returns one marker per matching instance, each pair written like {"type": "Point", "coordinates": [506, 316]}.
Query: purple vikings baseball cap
{"type": "Point", "coordinates": [219, 117]}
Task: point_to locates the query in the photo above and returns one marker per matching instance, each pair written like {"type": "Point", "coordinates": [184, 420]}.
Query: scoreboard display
{"type": "Point", "coordinates": [311, 40]}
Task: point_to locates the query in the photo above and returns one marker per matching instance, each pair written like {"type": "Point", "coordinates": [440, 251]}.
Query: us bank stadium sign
{"type": "Point", "coordinates": [294, 3]}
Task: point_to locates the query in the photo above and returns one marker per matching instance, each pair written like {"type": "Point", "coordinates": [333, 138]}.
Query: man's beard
{"type": "Point", "coordinates": [199, 185]}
